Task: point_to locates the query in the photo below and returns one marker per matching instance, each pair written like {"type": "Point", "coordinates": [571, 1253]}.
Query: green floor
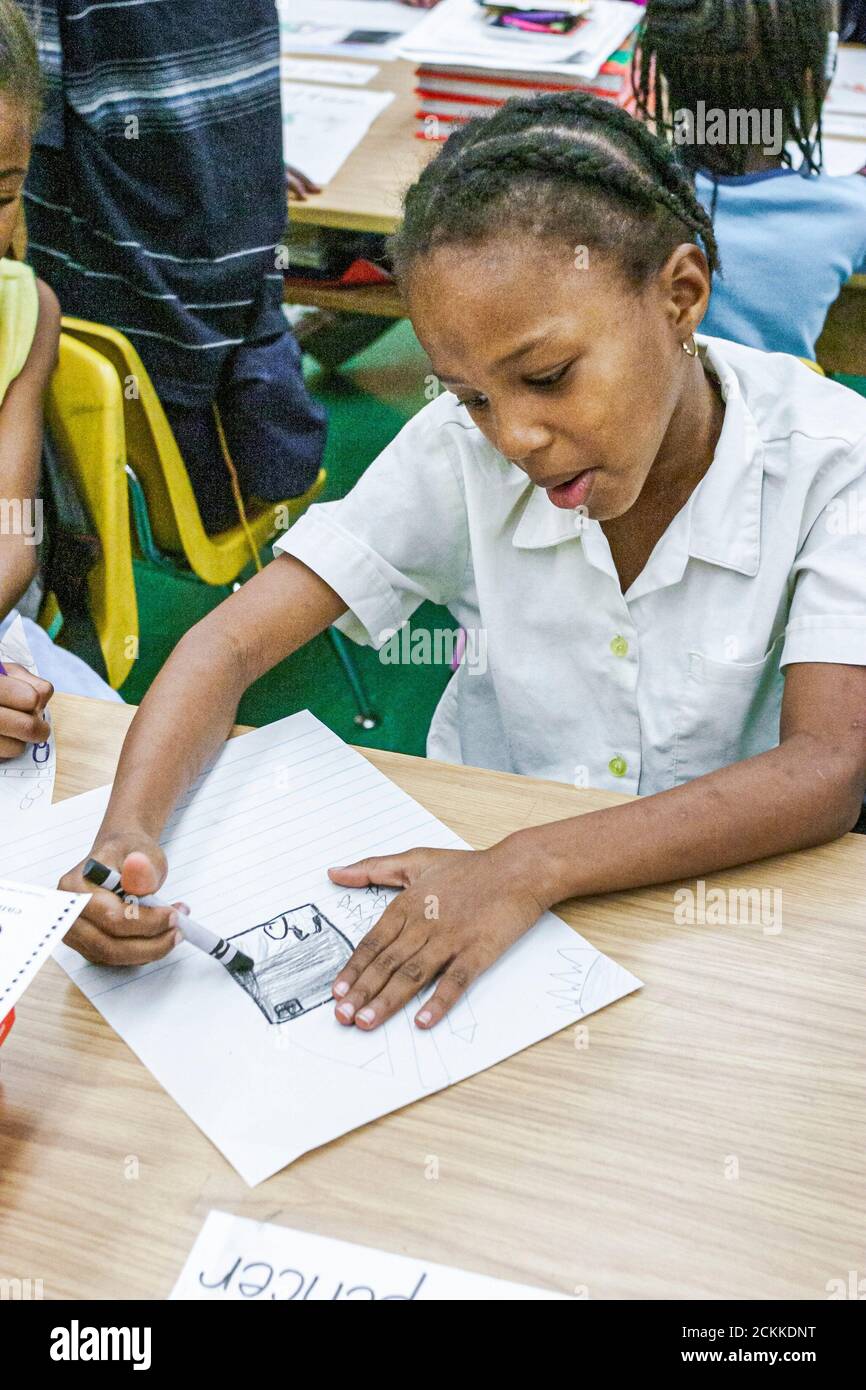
{"type": "Point", "coordinates": [367, 404]}
{"type": "Point", "coordinates": [361, 423]}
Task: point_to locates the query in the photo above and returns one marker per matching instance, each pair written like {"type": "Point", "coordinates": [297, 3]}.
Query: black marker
{"type": "Point", "coordinates": [234, 960]}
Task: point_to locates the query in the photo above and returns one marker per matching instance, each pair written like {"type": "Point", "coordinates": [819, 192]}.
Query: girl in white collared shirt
{"type": "Point", "coordinates": [569, 678]}
{"type": "Point", "coordinates": [656, 544]}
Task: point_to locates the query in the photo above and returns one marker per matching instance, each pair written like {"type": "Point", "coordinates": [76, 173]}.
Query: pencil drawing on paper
{"type": "Point", "coordinates": [296, 955]}
{"type": "Point", "coordinates": [577, 977]}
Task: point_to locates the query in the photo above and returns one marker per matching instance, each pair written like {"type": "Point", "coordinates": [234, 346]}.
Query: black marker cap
{"type": "Point", "coordinates": [95, 872]}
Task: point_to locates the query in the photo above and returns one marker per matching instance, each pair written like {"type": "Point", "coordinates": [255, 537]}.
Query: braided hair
{"type": "Point", "coordinates": [760, 55]}
{"type": "Point", "coordinates": [567, 165]}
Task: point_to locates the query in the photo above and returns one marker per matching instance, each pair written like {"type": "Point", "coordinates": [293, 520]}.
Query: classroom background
{"type": "Point", "coordinates": [367, 89]}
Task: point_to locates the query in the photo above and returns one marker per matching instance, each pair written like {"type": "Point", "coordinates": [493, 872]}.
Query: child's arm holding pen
{"type": "Point", "coordinates": [183, 721]}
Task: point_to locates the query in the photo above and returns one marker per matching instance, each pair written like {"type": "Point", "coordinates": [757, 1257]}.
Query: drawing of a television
{"type": "Point", "coordinates": [297, 954]}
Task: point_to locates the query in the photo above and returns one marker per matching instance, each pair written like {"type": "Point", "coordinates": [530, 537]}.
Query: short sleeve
{"type": "Point", "coordinates": [827, 616]}
{"type": "Point", "coordinates": [399, 537]}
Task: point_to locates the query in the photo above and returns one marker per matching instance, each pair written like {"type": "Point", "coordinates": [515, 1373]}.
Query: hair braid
{"type": "Point", "coordinates": [763, 55]}
{"type": "Point", "coordinates": [559, 161]}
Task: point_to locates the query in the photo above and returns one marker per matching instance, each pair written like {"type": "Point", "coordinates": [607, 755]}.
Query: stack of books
{"type": "Point", "coordinates": [484, 65]}
{"type": "Point", "coordinates": [448, 97]}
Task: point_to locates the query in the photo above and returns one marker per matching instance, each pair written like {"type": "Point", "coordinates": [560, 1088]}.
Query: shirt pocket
{"type": "Point", "coordinates": [730, 710]}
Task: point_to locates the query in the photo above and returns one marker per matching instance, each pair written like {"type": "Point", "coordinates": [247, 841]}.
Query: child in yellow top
{"type": "Point", "coordinates": [29, 332]}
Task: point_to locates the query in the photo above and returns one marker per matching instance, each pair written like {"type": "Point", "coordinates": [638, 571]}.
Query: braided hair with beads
{"type": "Point", "coordinates": [759, 55]}
{"type": "Point", "coordinates": [563, 165]}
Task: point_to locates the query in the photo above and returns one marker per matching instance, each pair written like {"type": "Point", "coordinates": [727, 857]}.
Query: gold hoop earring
{"type": "Point", "coordinates": [693, 352]}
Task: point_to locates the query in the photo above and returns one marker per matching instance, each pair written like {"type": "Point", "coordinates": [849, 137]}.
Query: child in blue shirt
{"type": "Point", "coordinates": [740, 85]}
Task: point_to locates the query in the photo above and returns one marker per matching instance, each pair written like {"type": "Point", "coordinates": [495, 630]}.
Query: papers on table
{"type": "Point", "coordinates": [26, 782]}
{"type": "Point", "coordinates": [259, 1061]}
{"type": "Point", "coordinates": [32, 922]}
{"type": "Point", "coordinates": [238, 1259]}
{"type": "Point", "coordinates": [455, 34]}
{"type": "Point", "coordinates": [322, 125]}
{"type": "Point", "coordinates": [355, 28]}
{"type": "Point", "coordinates": [845, 107]}
{"type": "Point", "coordinates": [312, 70]}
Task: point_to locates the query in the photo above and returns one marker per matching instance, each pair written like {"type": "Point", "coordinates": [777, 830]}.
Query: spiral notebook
{"type": "Point", "coordinates": [32, 922]}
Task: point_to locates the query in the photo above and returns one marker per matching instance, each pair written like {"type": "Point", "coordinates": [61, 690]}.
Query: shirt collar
{"type": "Point", "coordinates": [725, 507]}
{"type": "Point", "coordinates": [726, 504]}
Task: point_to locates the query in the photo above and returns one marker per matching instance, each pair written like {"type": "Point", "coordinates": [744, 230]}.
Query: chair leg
{"type": "Point", "coordinates": [141, 522]}
{"type": "Point", "coordinates": [366, 717]}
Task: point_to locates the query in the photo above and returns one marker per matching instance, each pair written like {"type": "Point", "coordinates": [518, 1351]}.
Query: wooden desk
{"type": "Point", "coordinates": [365, 195]}
{"type": "Point", "coordinates": [607, 1166]}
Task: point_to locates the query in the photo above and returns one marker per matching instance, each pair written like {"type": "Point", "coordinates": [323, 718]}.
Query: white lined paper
{"type": "Point", "coordinates": [249, 843]}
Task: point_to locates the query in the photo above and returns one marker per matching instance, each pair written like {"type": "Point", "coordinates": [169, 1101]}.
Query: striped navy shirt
{"type": "Point", "coordinates": [156, 194]}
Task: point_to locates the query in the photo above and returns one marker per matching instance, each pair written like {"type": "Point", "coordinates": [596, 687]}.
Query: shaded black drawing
{"type": "Point", "coordinates": [297, 955]}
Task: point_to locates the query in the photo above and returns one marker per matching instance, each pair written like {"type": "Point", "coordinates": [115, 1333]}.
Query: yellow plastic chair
{"type": "Point", "coordinates": [152, 452]}
{"type": "Point", "coordinates": [84, 410]}
{"type": "Point", "coordinates": [156, 470]}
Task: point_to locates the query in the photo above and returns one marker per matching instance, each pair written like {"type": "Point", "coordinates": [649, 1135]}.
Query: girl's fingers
{"type": "Point", "coordinates": [405, 982]}
{"type": "Point", "coordinates": [21, 690]}
{"type": "Point", "coordinates": [386, 931]}
{"type": "Point", "coordinates": [461, 973]}
{"type": "Point", "coordinates": [399, 967]}
{"type": "Point", "coordinates": [114, 917]}
{"type": "Point", "coordinates": [24, 726]}
{"type": "Point", "coordinates": [111, 916]}
{"type": "Point", "coordinates": [11, 747]}
{"type": "Point", "coordinates": [386, 871]}
{"type": "Point", "coordinates": [100, 948]}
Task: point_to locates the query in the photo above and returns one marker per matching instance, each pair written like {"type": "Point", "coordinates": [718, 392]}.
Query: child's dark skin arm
{"type": "Point", "coordinates": [23, 697]}
{"type": "Point", "coordinates": [182, 723]}
{"type": "Point", "coordinates": [807, 791]}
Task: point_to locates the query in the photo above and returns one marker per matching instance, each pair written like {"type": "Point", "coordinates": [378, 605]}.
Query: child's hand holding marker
{"type": "Point", "coordinates": [130, 925]}
{"type": "Point", "coordinates": [115, 932]}
{"type": "Point", "coordinates": [23, 698]}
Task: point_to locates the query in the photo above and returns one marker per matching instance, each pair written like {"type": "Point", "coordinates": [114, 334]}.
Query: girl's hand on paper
{"type": "Point", "coordinates": [22, 710]}
{"type": "Point", "coordinates": [112, 932]}
{"type": "Point", "coordinates": [458, 912]}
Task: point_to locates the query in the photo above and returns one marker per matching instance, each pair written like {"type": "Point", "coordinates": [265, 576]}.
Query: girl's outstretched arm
{"type": "Point", "coordinates": [183, 720]}
{"type": "Point", "coordinates": [459, 911]}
